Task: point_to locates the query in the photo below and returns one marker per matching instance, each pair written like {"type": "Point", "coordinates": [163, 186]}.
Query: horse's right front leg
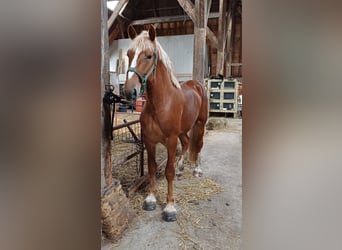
{"type": "Point", "coordinates": [150, 202]}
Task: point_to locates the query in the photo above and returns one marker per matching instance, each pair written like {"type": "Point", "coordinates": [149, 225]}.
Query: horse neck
{"type": "Point", "coordinates": [160, 86]}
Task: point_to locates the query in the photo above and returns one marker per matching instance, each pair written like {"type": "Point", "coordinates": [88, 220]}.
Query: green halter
{"type": "Point", "coordinates": [144, 77]}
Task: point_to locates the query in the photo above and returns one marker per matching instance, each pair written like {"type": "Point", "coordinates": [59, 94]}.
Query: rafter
{"type": "Point", "coordinates": [189, 8]}
{"type": "Point", "coordinates": [118, 8]}
{"type": "Point", "coordinates": [168, 19]}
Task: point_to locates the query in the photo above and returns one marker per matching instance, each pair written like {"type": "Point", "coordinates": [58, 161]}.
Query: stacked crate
{"type": "Point", "coordinates": [223, 96]}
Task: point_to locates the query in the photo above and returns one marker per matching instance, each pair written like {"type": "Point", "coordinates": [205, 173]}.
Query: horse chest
{"type": "Point", "coordinates": [153, 129]}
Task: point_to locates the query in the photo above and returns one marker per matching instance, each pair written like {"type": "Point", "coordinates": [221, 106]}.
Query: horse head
{"type": "Point", "coordinates": [142, 58]}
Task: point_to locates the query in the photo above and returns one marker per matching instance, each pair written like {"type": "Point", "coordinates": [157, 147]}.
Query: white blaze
{"type": "Point", "coordinates": [134, 63]}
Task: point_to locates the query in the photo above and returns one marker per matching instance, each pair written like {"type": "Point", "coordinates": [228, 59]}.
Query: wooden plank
{"type": "Point", "coordinates": [189, 8]}
{"type": "Point", "coordinates": [118, 8]}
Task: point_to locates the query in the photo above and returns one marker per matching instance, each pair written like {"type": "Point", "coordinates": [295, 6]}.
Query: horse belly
{"type": "Point", "coordinates": [191, 107]}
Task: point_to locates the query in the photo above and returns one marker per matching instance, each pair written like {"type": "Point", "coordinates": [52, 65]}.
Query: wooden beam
{"type": "Point", "coordinates": [222, 35]}
{"type": "Point", "coordinates": [199, 40]}
{"type": "Point", "coordinates": [229, 46]}
{"type": "Point", "coordinates": [118, 8]}
{"type": "Point", "coordinates": [106, 160]}
{"type": "Point", "coordinates": [208, 12]}
{"type": "Point", "coordinates": [167, 19]}
{"type": "Point", "coordinates": [212, 38]}
{"type": "Point", "coordinates": [114, 34]}
{"type": "Point", "coordinates": [189, 8]}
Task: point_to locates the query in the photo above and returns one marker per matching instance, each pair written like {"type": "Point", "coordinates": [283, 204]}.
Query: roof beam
{"type": "Point", "coordinates": [118, 8]}
{"type": "Point", "coordinates": [189, 8]}
{"type": "Point", "coordinates": [166, 19]}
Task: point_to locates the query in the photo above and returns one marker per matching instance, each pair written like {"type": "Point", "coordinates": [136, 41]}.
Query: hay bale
{"type": "Point", "coordinates": [215, 123]}
{"type": "Point", "coordinates": [115, 211]}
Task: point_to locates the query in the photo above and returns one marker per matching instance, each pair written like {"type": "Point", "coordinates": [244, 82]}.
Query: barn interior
{"type": "Point", "coordinates": [203, 39]}
{"type": "Point", "coordinates": [221, 20]}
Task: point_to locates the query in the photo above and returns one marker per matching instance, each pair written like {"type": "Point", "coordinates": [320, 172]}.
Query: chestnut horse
{"type": "Point", "coordinates": [170, 112]}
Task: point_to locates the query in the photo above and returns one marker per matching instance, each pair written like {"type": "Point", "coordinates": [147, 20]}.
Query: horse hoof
{"type": "Point", "coordinates": [179, 174]}
{"type": "Point", "coordinates": [149, 206]}
{"type": "Point", "coordinates": [169, 217]}
{"type": "Point", "coordinates": [197, 173]}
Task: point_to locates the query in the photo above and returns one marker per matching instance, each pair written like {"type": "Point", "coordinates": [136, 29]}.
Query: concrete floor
{"type": "Point", "coordinates": [220, 215]}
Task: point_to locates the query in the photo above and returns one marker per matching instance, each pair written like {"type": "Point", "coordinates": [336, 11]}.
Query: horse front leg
{"type": "Point", "coordinates": [150, 203]}
{"type": "Point", "coordinates": [169, 212]}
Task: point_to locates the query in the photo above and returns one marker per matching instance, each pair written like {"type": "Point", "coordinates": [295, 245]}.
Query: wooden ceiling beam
{"type": "Point", "coordinates": [189, 8]}
{"type": "Point", "coordinates": [118, 8]}
{"type": "Point", "coordinates": [167, 19]}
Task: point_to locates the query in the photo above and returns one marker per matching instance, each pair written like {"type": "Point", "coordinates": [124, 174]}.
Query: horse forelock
{"type": "Point", "coordinates": [143, 42]}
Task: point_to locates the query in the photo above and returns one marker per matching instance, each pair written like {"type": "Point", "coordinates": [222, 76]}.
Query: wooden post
{"type": "Point", "coordinates": [222, 36]}
{"type": "Point", "coordinates": [199, 40]}
{"type": "Point", "coordinates": [106, 161]}
{"type": "Point", "coordinates": [229, 45]}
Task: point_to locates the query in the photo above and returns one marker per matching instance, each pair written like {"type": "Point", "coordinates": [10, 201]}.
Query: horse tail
{"type": "Point", "coordinates": [197, 131]}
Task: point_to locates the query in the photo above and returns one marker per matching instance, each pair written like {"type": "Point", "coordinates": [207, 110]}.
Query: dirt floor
{"type": "Point", "coordinates": [211, 219]}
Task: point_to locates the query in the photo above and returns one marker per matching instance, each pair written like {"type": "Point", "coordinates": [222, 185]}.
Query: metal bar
{"type": "Point", "coordinates": [123, 160]}
{"type": "Point", "coordinates": [125, 124]}
{"type": "Point", "coordinates": [136, 139]}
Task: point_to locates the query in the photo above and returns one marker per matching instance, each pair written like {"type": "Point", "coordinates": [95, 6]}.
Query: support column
{"type": "Point", "coordinates": [199, 40]}
{"type": "Point", "coordinates": [222, 31]}
{"type": "Point", "coordinates": [106, 161]}
{"type": "Point", "coordinates": [115, 210]}
{"type": "Point", "coordinates": [229, 45]}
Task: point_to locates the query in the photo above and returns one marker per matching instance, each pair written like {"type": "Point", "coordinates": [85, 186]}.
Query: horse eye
{"type": "Point", "coordinates": [149, 57]}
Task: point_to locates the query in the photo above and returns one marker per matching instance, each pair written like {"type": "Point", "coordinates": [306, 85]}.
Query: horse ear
{"type": "Point", "coordinates": [131, 32]}
{"type": "Point", "coordinates": [152, 32]}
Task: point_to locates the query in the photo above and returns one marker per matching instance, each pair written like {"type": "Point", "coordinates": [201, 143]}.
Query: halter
{"type": "Point", "coordinates": [144, 77]}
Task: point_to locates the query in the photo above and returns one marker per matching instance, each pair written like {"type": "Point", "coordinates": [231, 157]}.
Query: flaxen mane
{"type": "Point", "coordinates": [143, 42]}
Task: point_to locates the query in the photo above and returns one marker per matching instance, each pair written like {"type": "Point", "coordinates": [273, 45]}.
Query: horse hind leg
{"type": "Point", "coordinates": [184, 138]}
{"type": "Point", "coordinates": [150, 203]}
{"type": "Point", "coordinates": [196, 144]}
{"type": "Point", "coordinates": [197, 133]}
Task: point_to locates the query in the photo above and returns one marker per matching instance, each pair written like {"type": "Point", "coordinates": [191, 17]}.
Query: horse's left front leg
{"type": "Point", "coordinates": [169, 212]}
